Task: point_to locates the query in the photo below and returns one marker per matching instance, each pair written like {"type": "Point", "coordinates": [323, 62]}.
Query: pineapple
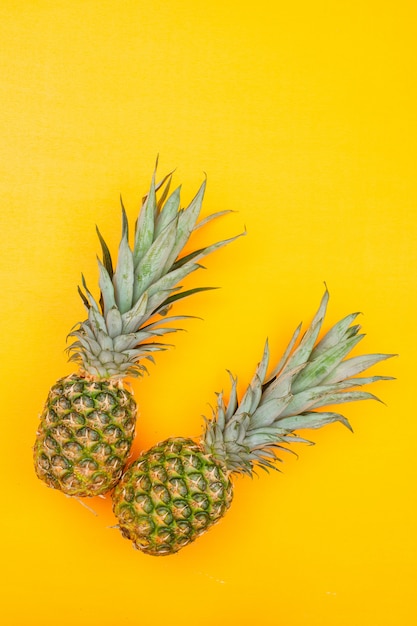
{"type": "Point", "coordinates": [88, 422]}
{"type": "Point", "coordinates": [179, 488]}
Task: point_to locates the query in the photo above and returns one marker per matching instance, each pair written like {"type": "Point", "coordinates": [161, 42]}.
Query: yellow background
{"type": "Point", "coordinates": [303, 116]}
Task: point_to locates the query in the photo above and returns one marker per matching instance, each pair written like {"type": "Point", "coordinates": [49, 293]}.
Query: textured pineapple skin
{"type": "Point", "coordinates": [85, 435]}
{"type": "Point", "coordinates": [170, 495]}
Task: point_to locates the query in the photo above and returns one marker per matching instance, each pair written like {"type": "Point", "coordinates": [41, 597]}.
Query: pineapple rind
{"type": "Point", "coordinates": [170, 495]}
{"type": "Point", "coordinates": [85, 435]}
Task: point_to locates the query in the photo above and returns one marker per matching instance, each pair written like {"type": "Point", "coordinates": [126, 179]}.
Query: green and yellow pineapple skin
{"type": "Point", "coordinates": [85, 435]}
{"type": "Point", "coordinates": [170, 495]}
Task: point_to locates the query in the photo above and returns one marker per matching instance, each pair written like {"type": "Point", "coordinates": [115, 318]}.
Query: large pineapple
{"type": "Point", "coordinates": [179, 488]}
{"type": "Point", "coordinates": [88, 422]}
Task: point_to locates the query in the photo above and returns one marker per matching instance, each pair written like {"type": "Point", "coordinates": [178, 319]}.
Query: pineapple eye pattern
{"type": "Point", "coordinates": [82, 447]}
{"type": "Point", "coordinates": [172, 501]}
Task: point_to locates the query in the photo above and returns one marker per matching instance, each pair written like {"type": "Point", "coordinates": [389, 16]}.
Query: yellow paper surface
{"type": "Point", "coordinates": [302, 114]}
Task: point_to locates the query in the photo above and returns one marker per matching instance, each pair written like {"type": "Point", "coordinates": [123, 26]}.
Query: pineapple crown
{"type": "Point", "coordinates": [312, 375]}
{"type": "Point", "coordinates": [144, 283]}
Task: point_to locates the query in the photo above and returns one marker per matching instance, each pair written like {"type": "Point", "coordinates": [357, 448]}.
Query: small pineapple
{"type": "Point", "coordinates": [179, 488]}
{"type": "Point", "coordinates": [88, 422]}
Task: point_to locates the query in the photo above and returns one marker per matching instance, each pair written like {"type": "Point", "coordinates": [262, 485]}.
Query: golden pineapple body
{"type": "Point", "coordinates": [85, 434]}
{"type": "Point", "coordinates": [170, 495]}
